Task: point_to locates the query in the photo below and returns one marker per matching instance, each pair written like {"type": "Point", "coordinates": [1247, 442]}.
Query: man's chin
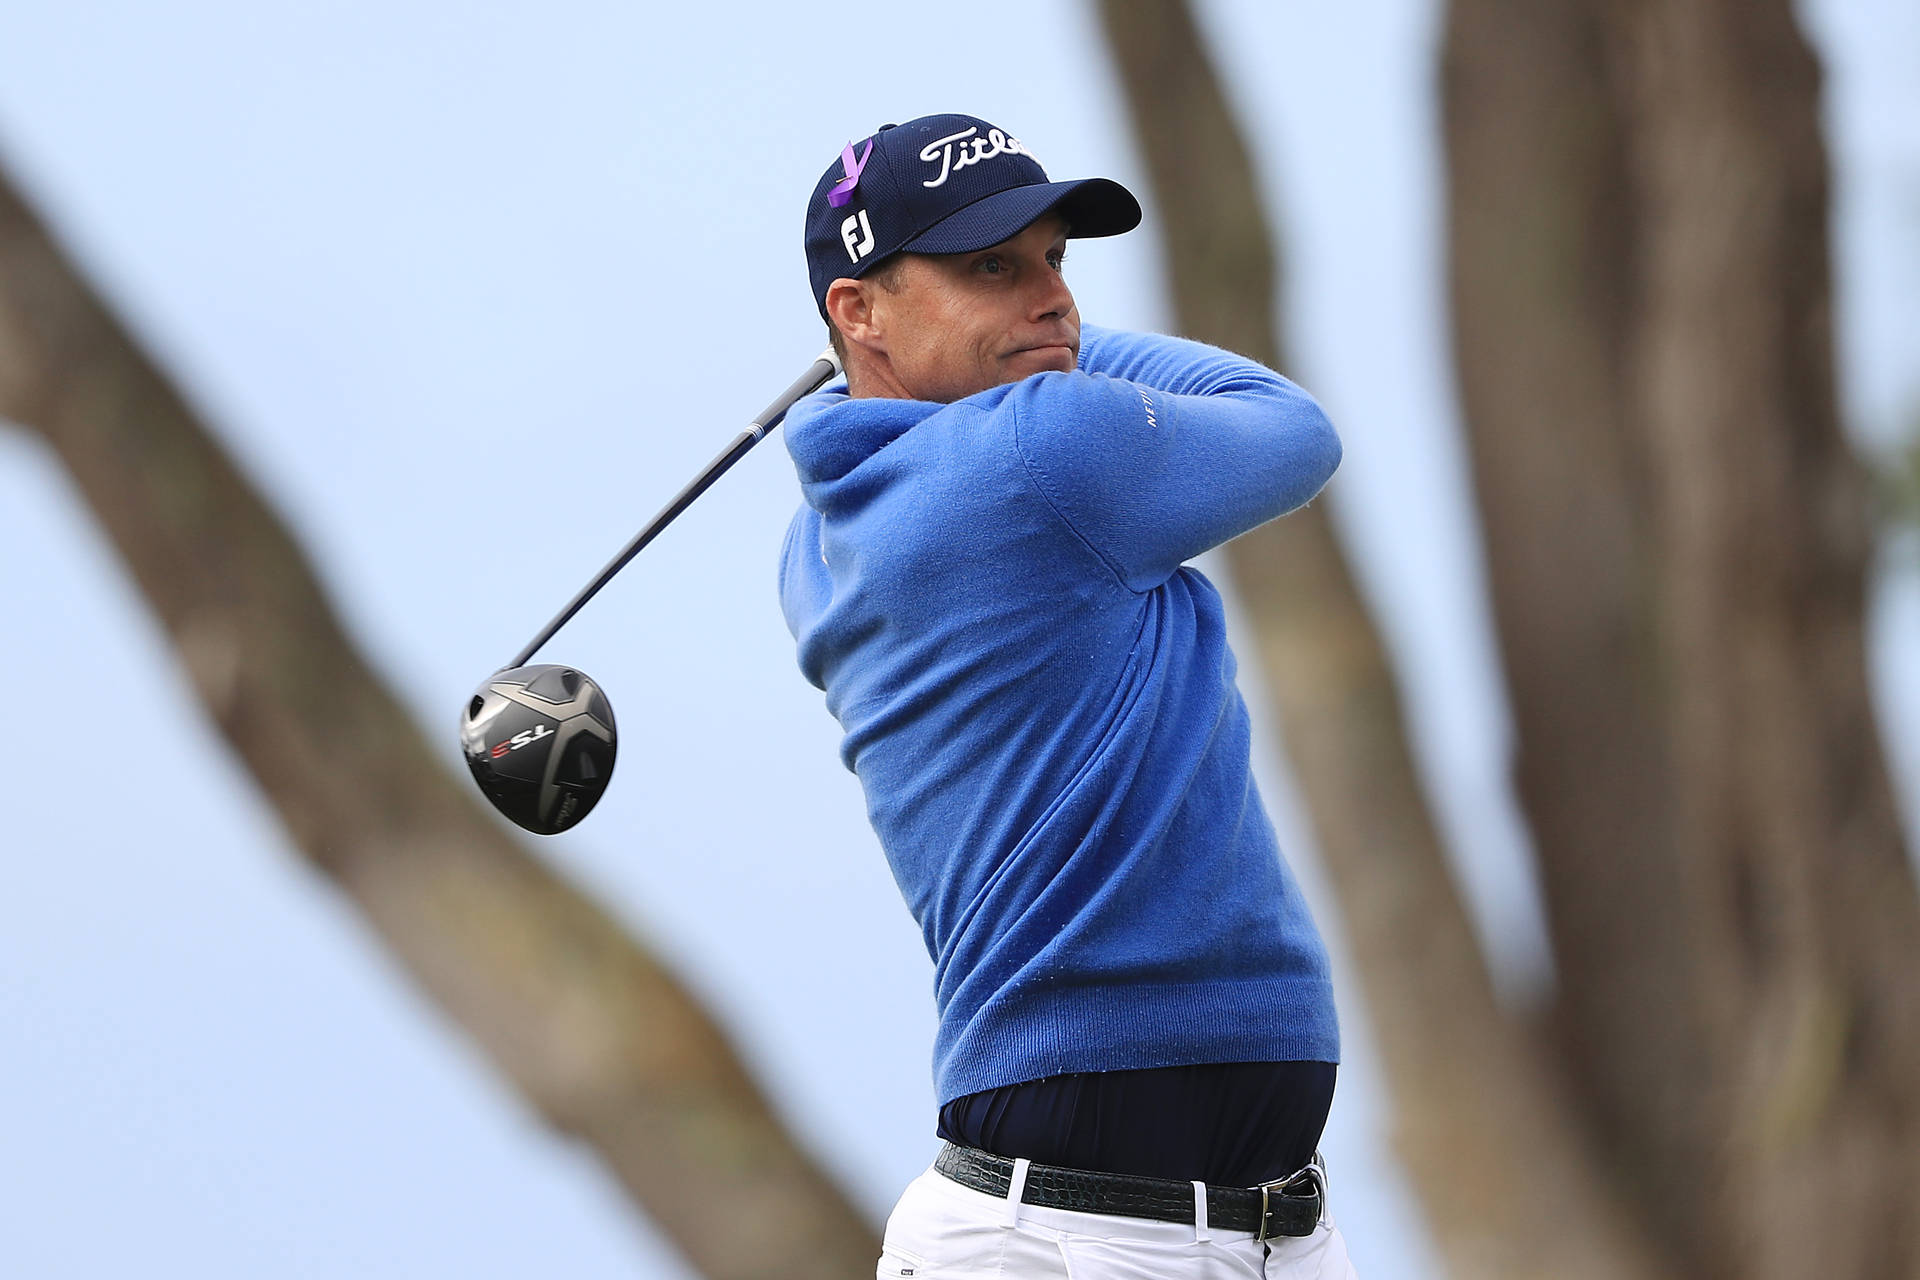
{"type": "Point", "coordinates": [1024, 364]}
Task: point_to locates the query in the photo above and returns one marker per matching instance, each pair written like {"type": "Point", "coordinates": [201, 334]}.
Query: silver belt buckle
{"type": "Point", "coordinates": [1314, 1171]}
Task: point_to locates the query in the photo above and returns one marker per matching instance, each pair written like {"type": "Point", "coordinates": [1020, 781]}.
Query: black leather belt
{"type": "Point", "coordinates": [1290, 1207]}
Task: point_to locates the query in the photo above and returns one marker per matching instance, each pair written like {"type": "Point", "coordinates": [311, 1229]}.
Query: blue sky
{"type": "Point", "coordinates": [438, 270]}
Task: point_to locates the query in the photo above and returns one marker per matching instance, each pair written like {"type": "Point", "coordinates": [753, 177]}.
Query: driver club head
{"type": "Point", "coordinates": [540, 742]}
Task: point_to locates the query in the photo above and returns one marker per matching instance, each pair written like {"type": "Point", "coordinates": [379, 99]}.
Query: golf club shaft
{"type": "Point", "coordinates": [806, 384]}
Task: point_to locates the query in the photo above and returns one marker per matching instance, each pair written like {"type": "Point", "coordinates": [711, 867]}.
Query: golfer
{"type": "Point", "coordinates": [1137, 1039]}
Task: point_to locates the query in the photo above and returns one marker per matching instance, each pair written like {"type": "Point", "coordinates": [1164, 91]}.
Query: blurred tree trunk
{"type": "Point", "coordinates": [1493, 1152]}
{"type": "Point", "coordinates": [1677, 539]}
{"type": "Point", "coordinates": [599, 1038]}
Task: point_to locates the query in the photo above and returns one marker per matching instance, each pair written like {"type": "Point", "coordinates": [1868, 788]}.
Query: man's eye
{"type": "Point", "coordinates": [989, 265]}
{"type": "Point", "coordinates": [1057, 260]}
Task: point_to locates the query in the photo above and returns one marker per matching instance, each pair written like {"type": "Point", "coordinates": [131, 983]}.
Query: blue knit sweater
{"type": "Point", "coordinates": [1039, 702]}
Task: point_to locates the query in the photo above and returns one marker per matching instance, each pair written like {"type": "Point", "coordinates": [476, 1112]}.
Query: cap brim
{"type": "Point", "coordinates": [1091, 206]}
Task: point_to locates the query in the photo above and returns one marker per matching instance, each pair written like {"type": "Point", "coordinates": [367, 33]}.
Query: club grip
{"type": "Point", "coordinates": [816, 376]}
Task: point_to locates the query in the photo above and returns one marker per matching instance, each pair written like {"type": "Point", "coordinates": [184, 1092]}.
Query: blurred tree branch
{"type": "Point", "coordinates": [597, 1037]}
{"type": "Point", "coordinates": [1677, 538]}
{"type": "Point", "coordinates": [1899, 481]}
{"type": "Point", "coordinates": [1494, 1154]}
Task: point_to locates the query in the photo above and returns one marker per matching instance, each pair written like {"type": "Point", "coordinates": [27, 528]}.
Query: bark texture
{"type": "Point", "coordinates": [1677, 538]}
{"type": "Point", "coordinates": [1494, 1153]}
{"type": "Point", "coordinates": [593, 1032]}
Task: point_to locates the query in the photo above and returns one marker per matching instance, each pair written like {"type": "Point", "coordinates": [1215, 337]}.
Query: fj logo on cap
{"type": "Point", "coordinates": [857, 234]}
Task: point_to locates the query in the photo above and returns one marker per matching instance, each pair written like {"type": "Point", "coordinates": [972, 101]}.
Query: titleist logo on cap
{"type": "Point", "coordinates": [995, 143]}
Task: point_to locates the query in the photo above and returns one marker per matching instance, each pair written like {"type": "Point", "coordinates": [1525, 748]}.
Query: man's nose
{"type": "Point", "coordinates": [1050, 297]}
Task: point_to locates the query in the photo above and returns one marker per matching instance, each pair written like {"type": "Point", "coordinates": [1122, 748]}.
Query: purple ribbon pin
{"type": "Point", "coordinates": [841, 193]}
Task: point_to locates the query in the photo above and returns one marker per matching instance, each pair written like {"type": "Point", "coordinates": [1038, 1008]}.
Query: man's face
{"type": "Point", "coordinates": [955, 324]}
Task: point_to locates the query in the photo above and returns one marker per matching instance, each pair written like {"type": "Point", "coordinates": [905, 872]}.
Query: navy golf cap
{"type": "Point", "coordinates": [942, 184]}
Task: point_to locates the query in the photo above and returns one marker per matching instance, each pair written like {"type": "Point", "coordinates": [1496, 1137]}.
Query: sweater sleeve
{"type": "Point", "coordinates": [1161, 448]}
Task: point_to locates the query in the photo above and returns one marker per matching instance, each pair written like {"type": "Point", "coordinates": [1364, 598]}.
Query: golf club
{"type": "Point", "coordinates": [540, 739]}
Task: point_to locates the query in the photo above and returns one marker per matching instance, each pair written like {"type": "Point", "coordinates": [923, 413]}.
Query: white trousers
{"type": "Point", "coordinates": [941, 1230]}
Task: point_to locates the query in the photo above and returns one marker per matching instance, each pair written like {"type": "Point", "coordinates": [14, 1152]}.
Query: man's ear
{"type": "Point", "coordinates": [850, 309]}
